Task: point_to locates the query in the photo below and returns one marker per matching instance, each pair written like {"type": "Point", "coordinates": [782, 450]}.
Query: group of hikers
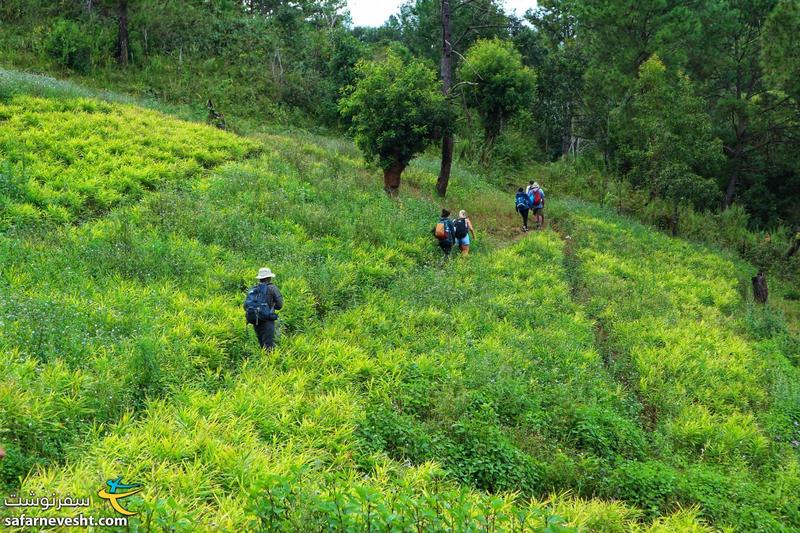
{"type": "Point", "coordinates": [461, 232]}
{"type": "Point", "coordinates": [264, 300]}
{"type": "Point", "coordinates": [530, 198]}
{"type": "Point", "coordinates": [451, 232]}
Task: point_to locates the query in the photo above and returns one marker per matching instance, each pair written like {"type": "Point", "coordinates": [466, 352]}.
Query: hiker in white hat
{"type": "Point", "coordinates": [260, 305]}
{"type": "Point", "coordinates": [537, 203]}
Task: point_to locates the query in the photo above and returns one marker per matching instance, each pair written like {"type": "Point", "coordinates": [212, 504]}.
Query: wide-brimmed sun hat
{"type": "Point", "coordinates": [535, 185]}
{"type": "Point", "coordinates": [265, 273]}
{"type": "Point", "coordinates": [462, 214]}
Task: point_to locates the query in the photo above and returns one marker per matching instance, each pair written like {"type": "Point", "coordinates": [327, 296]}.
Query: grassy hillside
{"type": "Point", "coordinates": [597, 375]}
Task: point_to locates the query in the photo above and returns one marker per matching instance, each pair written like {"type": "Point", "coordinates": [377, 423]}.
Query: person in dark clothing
{"type": "Point", "coordinates": [270, 295]}
{"type": "Point", "coordinates": [523, 206]}
{"type": "Point", "coordinates": [445, 232]}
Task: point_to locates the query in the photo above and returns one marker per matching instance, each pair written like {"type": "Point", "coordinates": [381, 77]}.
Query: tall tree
{"type": "Point", "coordinates": [459, 23]}
{"type": "Point", "coordinates": [781, 48]}
{"type": "Point", "coordinates": [617, 36]}
{"type": "Point", "coordinates": [667, 138]}
{"type": "Point", "coordinates": [747, 114]}
{"type": "Point", "coordinates": [560, 73]}
{"type": "Point", "coordinates": [122, 32]}
{"type": "Point", "coordinates": [447, 85]}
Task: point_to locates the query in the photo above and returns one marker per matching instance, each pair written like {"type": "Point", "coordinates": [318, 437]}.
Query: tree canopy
{"type": "Point", "coordinates": [396, 110]}
{"type": "Point", "coordinates": [498, 84]}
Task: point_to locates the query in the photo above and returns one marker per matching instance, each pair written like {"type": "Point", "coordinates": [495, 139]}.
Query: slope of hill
{"type": "Point", "coordinates": [602, 376]}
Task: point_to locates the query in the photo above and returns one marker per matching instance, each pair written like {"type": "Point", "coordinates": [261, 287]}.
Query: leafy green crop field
{"type": "Point", "coordinates": [717, 392]}
{"type": "Point", "coordinates": [63, 160]}
{"type": "Point", "coordinates": [599, 377]}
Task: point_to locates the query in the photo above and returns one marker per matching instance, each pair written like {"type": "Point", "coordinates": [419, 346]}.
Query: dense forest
{"type": "Point", "coordinates": [693, 103]}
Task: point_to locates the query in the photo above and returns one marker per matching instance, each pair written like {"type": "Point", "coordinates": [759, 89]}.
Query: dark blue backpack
{"type": "Point", "coordinates": [256, 308]}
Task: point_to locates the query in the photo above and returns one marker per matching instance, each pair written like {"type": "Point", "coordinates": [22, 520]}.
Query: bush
{"type": "Point", "coordinates": [481, 454]}
{"type": "Point", "coordinates": [650, 486]}
{"type": "Point", "coordinates": [607, 434]}
{"type": "Point", "coordinates": [513, 150]}
{"type": "Point", "coordinates": [70, 46]}
{"type": "Point", "coordinates": [403, 438]}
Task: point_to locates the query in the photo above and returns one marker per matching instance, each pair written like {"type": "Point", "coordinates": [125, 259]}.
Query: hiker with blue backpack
{"type": "Point", "coordinates": [260, 305]}
{"type": "Point", "coordinates": [445, 232]}
{"type": "Point", "coordinates": [522, 204]}
{"type": "Point", "coordinates": [537, 203]}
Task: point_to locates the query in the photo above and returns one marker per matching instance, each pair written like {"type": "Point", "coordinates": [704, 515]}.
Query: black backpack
{"type": "Point", "coordinates": [461, 228]}
{"type": "Point", "coordinates": [256, 308]}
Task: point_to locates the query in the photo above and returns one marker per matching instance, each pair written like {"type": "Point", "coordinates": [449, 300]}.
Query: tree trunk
{"type": "Point", "coordinates": [675, 219]}
{"type": "Point", "coordinates": [122, 36]}
{"type": "Point", "coordinates": [447, 85]}
{"type": "Point", "coordinates": [740, 130]}
{"type": "Point", "coordinates": [760, 292]}
{"type": "Point", "coordinates": [391, 178]}
{"type": "Point", "coordinates": [447, 163]}
{"type": "Point", "coordinates": [730, 191]}
{"type": "Point", "coordinates": [566, 133]}
{"type": "Point", "coordinates": [795, 244]}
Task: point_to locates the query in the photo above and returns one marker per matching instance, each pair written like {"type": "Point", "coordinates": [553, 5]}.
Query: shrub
{"type": "Point", "coordinates": [607, 434]}
{"type": "Point", "coordinates": [70, 46]}
{"type": "Point", "coordinates": [480, 454]}
{"type": "Point", "coordinates": [650, 486]}
{"type": "Point", "coordinates": [399, 435]}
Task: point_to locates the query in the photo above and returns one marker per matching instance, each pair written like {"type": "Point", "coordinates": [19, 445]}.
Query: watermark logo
{"type": "Point", "coordinates": [118, 491]}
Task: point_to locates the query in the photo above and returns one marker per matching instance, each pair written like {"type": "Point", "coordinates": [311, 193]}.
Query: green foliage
{"type": "Point", "coordinates": [70, 46]}
{"type": "Point", "coordinates": [668, 143]}
{"type": "Point", "coordinates": [68, 160]}
{"type": "Point", "coordinates": [396, 110]}
{"type": "Point", "coordinates": [347, 52]}
{"type": "Point", "coordinates": [615, 363]}
{"type": "Point", "coordinates": [560, 61]}
{"type": "Point", "coordinates": [483, 456]}
{"type": "Point", "coordinates": [648, 485]}
{"type": "Point", "coordinates": [499, 85]}
{"type": "Point", "coordinates": [780, 49]}
{"type": "Point", "coordinates": [607, 434]}
{"type": "Point", "coordinates": [399, 435]}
